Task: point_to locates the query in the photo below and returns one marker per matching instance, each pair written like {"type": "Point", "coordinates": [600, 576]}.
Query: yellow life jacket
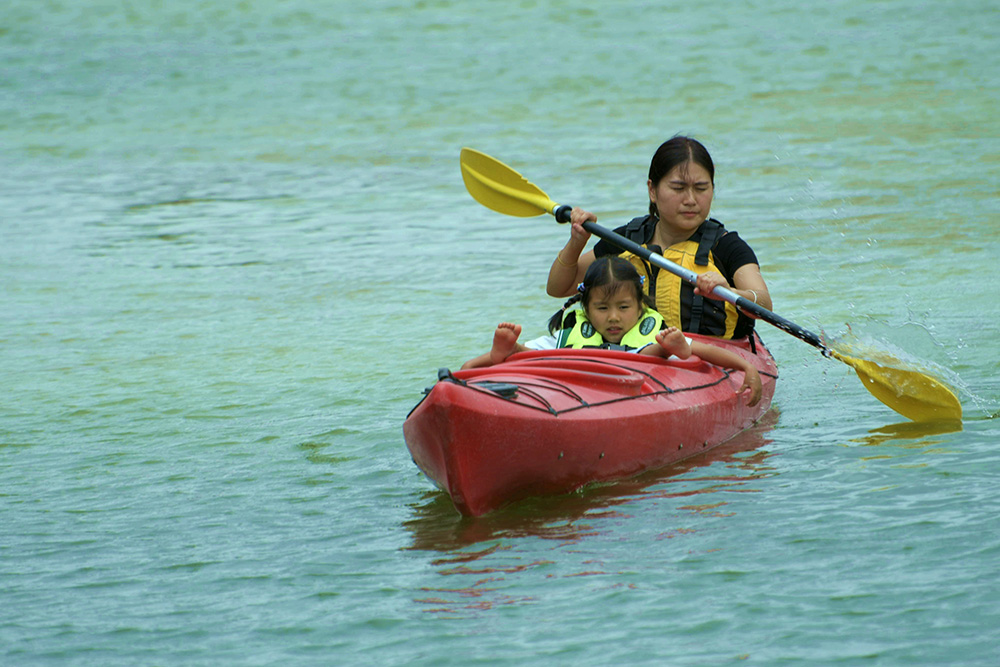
{"type": "Point", "coordinates": [675, 298]}
{"type": "Point", "coordinates": [578, 332]}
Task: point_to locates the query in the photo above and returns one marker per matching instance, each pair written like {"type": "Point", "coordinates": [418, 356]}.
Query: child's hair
{"type": "Point", "coordinates": [609, 274]}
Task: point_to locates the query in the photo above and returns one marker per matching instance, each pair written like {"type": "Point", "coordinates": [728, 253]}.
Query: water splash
{"type": "Point", "coordinates": [910, 347]}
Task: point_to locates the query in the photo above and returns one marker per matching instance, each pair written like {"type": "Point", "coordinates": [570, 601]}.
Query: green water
{"type": "Point", "coordinates": [235, 246]}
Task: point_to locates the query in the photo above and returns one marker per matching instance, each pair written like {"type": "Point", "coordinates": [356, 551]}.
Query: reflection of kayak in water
{"type": "Point", "coordinates": [569, 517]}
{"type": "Point", "coordinates": [550, 421]}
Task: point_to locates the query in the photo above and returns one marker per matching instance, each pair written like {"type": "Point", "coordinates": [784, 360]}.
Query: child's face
{"type": "Point", "coordinates": [613, 314]}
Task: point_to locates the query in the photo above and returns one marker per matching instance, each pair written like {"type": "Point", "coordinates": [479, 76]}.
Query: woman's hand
{"type": "Point", "coordinates": [709, 281]}
{"type": "Point", "coordinates": [570, 264]}
{"type": "Point", "coordinates": [578, 234]}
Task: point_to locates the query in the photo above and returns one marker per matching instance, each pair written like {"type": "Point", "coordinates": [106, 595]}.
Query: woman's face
{"type": "Point", "coordinates": [613, 314]}
{"type": "Point", "coordinates": [683, 197]}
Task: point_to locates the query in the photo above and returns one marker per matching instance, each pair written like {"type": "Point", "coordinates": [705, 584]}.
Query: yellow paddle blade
{"type": "Point", "coordinates": [496, 186]}
{"type": "Point", "coordinates": [911, 393]}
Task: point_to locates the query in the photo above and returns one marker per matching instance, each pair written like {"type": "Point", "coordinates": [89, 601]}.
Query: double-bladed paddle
{"type": "Point", "coordinates": [909, 392]}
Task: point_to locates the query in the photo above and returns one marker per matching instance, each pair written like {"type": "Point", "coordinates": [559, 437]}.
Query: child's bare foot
{"type": "Point", "coordinates": [504, 341]}
{"type": "Point", "coordinates": [674, 342]}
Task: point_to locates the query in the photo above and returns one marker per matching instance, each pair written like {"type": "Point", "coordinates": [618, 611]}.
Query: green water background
{"type": "Point", "coordinates": [235, 246]}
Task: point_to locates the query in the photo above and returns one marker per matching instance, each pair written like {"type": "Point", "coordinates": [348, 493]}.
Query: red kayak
{"type": "Point", "coordinates": [551, 421]}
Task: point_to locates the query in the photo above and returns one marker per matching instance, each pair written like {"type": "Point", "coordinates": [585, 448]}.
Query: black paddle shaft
{"type": "Point", "coordinates": [562, 214]}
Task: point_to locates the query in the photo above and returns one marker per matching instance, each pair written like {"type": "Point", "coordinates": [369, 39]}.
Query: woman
{"type": "Point", "coordinates": [681, 184]}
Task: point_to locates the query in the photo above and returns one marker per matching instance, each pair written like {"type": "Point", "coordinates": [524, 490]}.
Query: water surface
{"type": "Point", "coordinates": [235, 247]}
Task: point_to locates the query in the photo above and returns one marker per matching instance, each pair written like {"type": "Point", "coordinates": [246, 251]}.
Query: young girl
{"type": "Point", "coordinates": [617, 315]}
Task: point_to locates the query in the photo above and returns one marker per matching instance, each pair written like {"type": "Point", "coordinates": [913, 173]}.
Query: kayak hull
{"type": "Point", "coordinates": [551, 421]}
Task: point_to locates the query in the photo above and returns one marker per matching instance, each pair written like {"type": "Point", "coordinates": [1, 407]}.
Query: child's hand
{"type": "Point", "coordinates": [751, 383]}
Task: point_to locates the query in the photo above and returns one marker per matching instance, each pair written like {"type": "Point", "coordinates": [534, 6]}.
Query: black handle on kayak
{"type": "Point", "coordinates": [562, 215]}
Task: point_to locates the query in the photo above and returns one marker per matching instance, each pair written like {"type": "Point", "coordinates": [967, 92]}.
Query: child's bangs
{"type": "Point", "coordinates": [609, 291]}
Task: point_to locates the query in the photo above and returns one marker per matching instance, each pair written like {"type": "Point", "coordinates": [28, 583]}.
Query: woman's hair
{"type": "Point", "coordinates": [675, 151]}
{"type": "Point", "coordinates": [609, 274]}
